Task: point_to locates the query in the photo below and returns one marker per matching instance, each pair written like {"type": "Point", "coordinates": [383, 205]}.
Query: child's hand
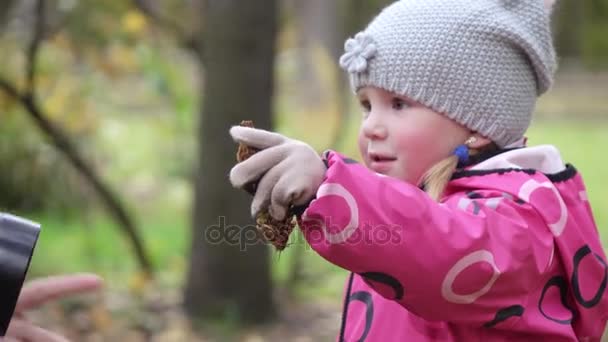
{"type": "Point", "coordinates": [291, 171]}
{"type": "Point", "coordinates": [36, 293]}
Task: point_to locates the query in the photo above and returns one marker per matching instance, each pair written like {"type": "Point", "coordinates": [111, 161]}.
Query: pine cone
{"type": "Point", "coordinates": [273, 231]}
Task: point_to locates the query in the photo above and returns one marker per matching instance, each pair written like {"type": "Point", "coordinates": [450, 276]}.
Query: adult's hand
{"type": "Point", "coordinates": [36, 293]}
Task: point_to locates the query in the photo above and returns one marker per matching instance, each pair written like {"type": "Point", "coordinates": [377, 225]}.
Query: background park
{"type": "Point", "coordinates": [114, 120]}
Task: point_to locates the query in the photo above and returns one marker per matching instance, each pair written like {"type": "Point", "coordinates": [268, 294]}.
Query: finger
{"type": "Point", "coordinates": [24, 331]}
{"type": "Point", "coordinates": [258, 164]}
{"type": "Point", "coordinates": [281, 197]}
{"type": "Point", "coordinates": [256, 137]}
{"type": "Point", "coordinates": [277, 211]}
{"type": "Point", "coordinates": [8, 339]}
{"type": "Point", "coordinates": [261, 199]}
{"type": "Point", "coordinates": [39, 291]}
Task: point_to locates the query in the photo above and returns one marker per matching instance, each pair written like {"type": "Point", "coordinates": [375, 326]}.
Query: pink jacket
{"type": "Point", "coordinates": [510, 254]}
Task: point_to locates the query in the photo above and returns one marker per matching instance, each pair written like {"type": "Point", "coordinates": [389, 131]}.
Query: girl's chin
{"type": "Point", "coordinates": [389, 169]}
{"type": "Point", "coordinates": [384, 167]}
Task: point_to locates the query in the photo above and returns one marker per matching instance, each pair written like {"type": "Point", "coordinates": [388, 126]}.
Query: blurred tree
{"type": "Point", "coordinates": [180, 18]}
{"type": "Point", "coordinates": [25, 92]}
{"type": "Point", "coordinates": [580, 29]}
{"type": "Point", "coordinates": [5, 7]}
{"type": "Point", "coordinates": [230, 275]}
{"type": "Point", "coordinates": [567, 27]}
{"type": "Point", "coordinates": [315, 26]}
{"type": "Point", "coordinates": [353, 16]}
{"type": "Point", "coordinates": [595, 33]}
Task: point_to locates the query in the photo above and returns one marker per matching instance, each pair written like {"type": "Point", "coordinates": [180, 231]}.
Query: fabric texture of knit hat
{"type": "Point", "coordinates": [482, 63]}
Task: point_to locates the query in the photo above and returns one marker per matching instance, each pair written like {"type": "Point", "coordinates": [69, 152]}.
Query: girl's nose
{"type": "Point", "coordinates": [373, 127]}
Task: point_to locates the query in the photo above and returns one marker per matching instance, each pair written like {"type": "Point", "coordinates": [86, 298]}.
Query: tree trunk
{"type": "Point", "coordinates": [595, 30]}
{"type": "Point", "coordinates": [5, 8]}
{"type": "Point", "coordinates": [229, 267]}
{"type": "Point", "coordinates": [567, 25]}
{"type": "Point", "coordinates": [315, 25]}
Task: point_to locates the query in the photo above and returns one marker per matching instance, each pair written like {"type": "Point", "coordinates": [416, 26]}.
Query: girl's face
{"type": "Point", "coordinates": [403, 139]}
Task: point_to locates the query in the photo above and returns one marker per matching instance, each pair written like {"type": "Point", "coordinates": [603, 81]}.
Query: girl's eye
{"type": "Point", "coordinates": [366, 106]}
{"type": "Point", "coordinates": [399, 104]}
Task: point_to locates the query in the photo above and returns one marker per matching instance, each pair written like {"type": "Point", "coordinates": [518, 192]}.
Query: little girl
{"type": "Point", "coordinates": [453, 230]}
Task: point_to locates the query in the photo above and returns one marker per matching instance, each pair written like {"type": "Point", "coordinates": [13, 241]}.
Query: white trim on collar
{"type": "Point", "coordinates": [543, 158]}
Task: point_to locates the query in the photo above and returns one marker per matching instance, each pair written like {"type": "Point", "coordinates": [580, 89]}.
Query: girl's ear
{"type": "Point", "coordinates": [478, 142]}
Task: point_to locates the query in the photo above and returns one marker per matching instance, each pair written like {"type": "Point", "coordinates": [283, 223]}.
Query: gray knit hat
{"type": "Point", "coordinates": [480, 62]}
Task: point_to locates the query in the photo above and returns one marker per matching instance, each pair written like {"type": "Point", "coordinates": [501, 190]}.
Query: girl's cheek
{"type": "Point", "coordinates": [362, 144]}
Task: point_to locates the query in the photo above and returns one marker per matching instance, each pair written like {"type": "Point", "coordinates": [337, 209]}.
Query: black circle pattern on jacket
{"type": "Point", "coordinates": [578, 256]}
{"type": "Point", "coordinates": [562, 284]}
{"type": "Point", "coordinates": [504, 314]}
{"type": "Point", "coordinates": [378, 277]}
{"type": "Point", "coordinates": [366, 298]}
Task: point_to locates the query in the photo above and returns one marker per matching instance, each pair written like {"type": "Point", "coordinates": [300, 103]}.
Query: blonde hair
{"type": "Point", "coordinates": [437, 177]}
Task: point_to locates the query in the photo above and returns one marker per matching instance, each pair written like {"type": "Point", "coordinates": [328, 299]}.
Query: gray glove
{"type": "Point", "coordinates": [291, 171]}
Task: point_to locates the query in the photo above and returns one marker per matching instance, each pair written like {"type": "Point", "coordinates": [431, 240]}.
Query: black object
{"type": "Point", "coordinates": [18, 238]}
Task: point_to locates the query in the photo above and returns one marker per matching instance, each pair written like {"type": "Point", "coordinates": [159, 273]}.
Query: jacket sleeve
{"type": "Point", "coordinates": [462, 260]}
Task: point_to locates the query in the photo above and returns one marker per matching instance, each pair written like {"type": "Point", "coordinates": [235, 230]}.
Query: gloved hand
{"type": "Point", "coordinates": [291, 171]}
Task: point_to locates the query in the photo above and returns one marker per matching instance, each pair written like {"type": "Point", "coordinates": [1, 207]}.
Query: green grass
{"type": "Point", "coordinates": [94, 244]}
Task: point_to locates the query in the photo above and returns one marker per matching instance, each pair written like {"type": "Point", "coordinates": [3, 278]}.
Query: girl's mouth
{"type": "Point", "coordinates": [381, 163]}
{"type": "Point", "coordinates": [378, 157]}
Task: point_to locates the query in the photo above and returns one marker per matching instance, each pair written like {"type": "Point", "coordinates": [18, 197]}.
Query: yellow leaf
{"type": "Point", "coordinates": [56, 102]}
{"type": "Point", "coordinates": [134, 22]}
{"type": "Point", "coordinates": [138, 282]}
